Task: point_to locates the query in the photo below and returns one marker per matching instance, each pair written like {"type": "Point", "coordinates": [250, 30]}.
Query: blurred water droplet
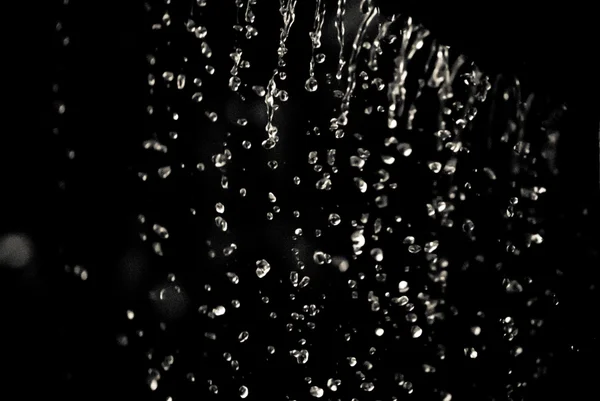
{"type": "Point", "coordinates": [316, 392]}
{"type": "Point", "coordinates": [164, 172]}
{"type": "Point", "coordinates": [416, 331]}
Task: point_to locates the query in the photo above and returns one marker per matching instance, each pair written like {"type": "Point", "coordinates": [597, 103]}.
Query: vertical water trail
{"type": "Point", "coordinates": [311, 83]}
{"type": "Point", "coordinates": [396, 89]}
{"type": "Point", "coordinates": [412, 110]}
{"type": "Point", "coordinates": [442, 78]}
{"type": "Point", "coordinates": [341, 32]}
{"type": "Point", "coordinates": [521, 147]}
{"type": "Point", "coordinates": [249, 16]}
{"type": "Point", "coordinates": [371, 12]}
{"type": "Point", "coordinates": [287, 11]}
{"type": "Point", "coordinates": [376, 49]}
{"type": "Point", "coordinates": [250, 32]}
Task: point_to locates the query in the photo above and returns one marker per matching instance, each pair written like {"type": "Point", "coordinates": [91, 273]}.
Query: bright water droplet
{"type": "Point", "coordinates": [416, 331]}
{"type": "Point", "coordinates": [262, 268]}
{"type": "Point", "coordinates": [334, 219]}
{"type": "Point", "coordinates": [311, 84]}
{"type": "Point", "coordinates": [164, 172]}
{"type": "Point", "coordinates": [320, 258]}
{"type": "Point", "coordinates": [367, 386]}
{"type": "Point", "coordinates": [436, 167]}
{"type": "Point", "coordinates": [301, 356]}
{"type": "Point", "coordinates": [361, 184]}
{"type": "Point", "coordinates": [431, 246]}
{"type": "Point", "coordinates": [356, 161]}
{"type": "Point", "coordinates": [243, 336]}
{"type": "Point", "coordinates": [160, 231]}
{"type": "Point", "coordinates": [414, 248]}
{"type": "Point", "coordinates": [304, 282]}
{"type": "Point", "coordinates": [377, 254]}
{"type": "Point", "coordinates": [316, 392]}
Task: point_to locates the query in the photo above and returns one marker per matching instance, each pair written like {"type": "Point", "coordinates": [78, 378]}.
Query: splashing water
{"type": "Point", "coordinates": [379, 253]}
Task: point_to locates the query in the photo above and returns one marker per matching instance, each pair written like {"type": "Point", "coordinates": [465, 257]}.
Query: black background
{"type": "Point", "coordinates": [60, 335]}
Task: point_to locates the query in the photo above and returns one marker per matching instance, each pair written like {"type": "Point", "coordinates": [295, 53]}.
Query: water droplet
{"type": "Point", "coordinates": [160, 231]}
{"type": "Point", "coordinates": [320, 258]}
{"type": "Point", "coordinates": [334, 219]}
{"type": "Point", "coordinates": [233, 278]}
{"type": "Point", "coordinates": [377, 254]}
{"type": "Point", "coordinates": [301, 356]}
{"type": "Point", "coordinates": [414, 249]}
{"type": "Point", "coordinates": [316, 392]}
{"type": "Point", "coordinates": [367, 386]}
{"type": "Point", "coordinates": [431, 246]}
{"type": "Point", "coordinates": [262, 268]}
{"type": "Point", "coordinates": [304, 282]}
{"type": "Point", "coordinates": [164, 172]}
{"type": "Point", "coordinates": [311, 84]}
{"type": "Point", "coordinates": [416, 331]}
{"type": "Point", "coordinates": [219, 311]}
{"type": "Point", "coordinates": [513, 287]}
{"type": "Point", "coordinates": [356, 161]}
{"type": "Point", "coordinates": [180, 81]}
{"type": "Point", "coordinates": [436, 167]}
{"type": "Point", "coordinates": [360, 184]}
{"type": "Point", "coordinates": [243, 336]}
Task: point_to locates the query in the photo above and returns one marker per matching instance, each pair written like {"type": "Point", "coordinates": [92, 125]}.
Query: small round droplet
{"type": "Point", "coordinates": [377, 254]}
{"type": "Point", "coordinates": [311, 84]}
{"type": "Point", "coordinates": [334, 219]}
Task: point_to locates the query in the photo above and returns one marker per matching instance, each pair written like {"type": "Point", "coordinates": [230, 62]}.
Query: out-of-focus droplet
{"type": "Point", "coordinates": [316, 392]}
{"type": "Point", "coordinates": [416, 331]}
{"type": "Point", "coordinates": [431, 246]}
{"type": "Point", "coordinates": [367, 386]}
{"type": "Point", "coordinates": [436, 167]}
{"type": "Point", "coordinates": [164, 172]}
{"type": "Point", "coordinates": [16, 250]}
{"type": "Point", "coordinates": [160, 231]}
{"type": "Point", "coordinates": [377, 254]}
